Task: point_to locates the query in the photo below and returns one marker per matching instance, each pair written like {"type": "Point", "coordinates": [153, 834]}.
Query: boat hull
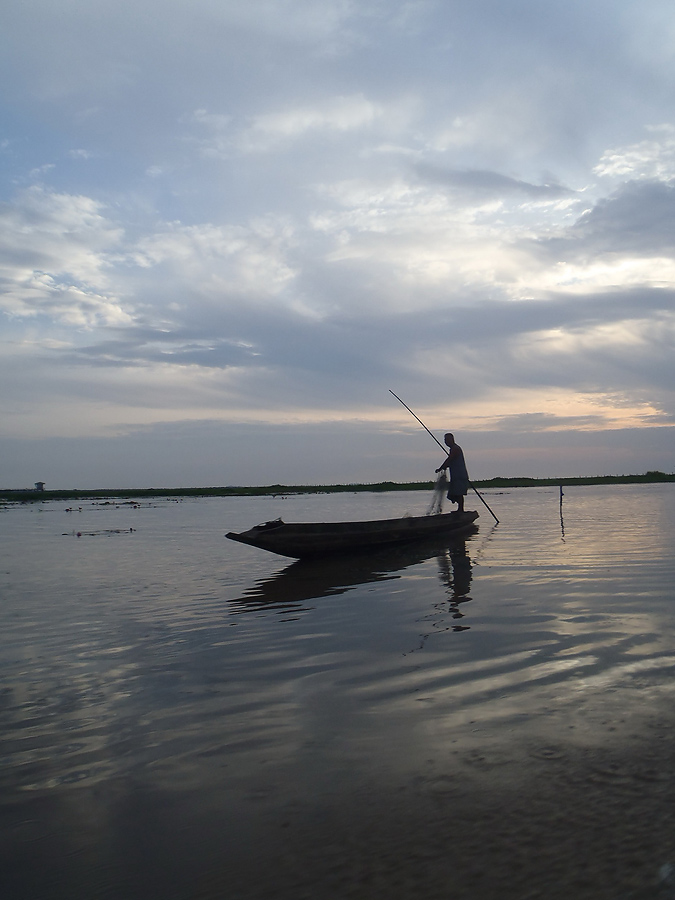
{"type": "Point", "coordinates": [317, 539]}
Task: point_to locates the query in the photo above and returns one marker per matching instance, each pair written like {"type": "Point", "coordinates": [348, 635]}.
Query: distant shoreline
{"type": "Point", "coordinates": [273, 490]}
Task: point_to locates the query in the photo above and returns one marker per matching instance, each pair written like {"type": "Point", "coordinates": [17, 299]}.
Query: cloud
{"type": "Point", "coordinates": [80, 154]}
{"type": "Point", "coordinates": [653, 159]}
{"type": "Point", "coordinates": [637, 219]}
{"type": "Point", "coordinates": [55, 254]}
{"type": "Point", "coordinates": [623, 239]}
{"type": "Point", "coordinates": [490, 184]}
{"type": "Point", "coordinates": [271, 131]}
{"type": "Point", "coordinates": [200, 271]}
{"type": "Point", "coordinates": [339, 114]}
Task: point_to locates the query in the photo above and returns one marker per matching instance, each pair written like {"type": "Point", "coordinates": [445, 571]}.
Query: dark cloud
{"type": "Point", "coordinates": [535, 423]}
{"type": "Point", "coordinates": [637, 219]}
{"type": "Point", "coordinates": [142, 347]}
{"type": "Point", "coordinates": [484, 184]}
{"type": "Point", "coordinates": [283, 358]}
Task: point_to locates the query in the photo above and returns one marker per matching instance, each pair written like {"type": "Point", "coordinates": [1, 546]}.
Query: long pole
{"type": "Point", "coordinates": [444, 449]}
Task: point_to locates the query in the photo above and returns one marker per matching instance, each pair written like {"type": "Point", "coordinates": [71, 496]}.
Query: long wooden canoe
{"type": "Point", "coordinates": [316, 539]}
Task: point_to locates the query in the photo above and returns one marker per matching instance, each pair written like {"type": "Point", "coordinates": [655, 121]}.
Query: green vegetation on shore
{"type": "Point", "coordinates": [32, 496]}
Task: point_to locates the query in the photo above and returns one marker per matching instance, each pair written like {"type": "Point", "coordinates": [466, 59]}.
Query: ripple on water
{"type": "Point", "coordinates": [328, 724]}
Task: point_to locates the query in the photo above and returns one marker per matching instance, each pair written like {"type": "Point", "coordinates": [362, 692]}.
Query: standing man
{"type": "Point", "coordinates": [459, 477]}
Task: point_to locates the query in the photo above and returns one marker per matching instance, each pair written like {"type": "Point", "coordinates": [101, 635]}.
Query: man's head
{"type": "Point", "coordinates": [449, 439]}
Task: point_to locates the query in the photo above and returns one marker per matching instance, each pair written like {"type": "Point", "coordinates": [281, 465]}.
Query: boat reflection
{"type": "Point", "coordinates": [305, 580]}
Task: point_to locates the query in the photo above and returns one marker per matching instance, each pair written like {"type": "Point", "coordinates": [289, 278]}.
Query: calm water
{"type": "Point", "coordinates": [185, 717]}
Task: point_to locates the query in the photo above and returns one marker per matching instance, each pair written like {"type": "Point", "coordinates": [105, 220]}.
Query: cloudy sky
{"type": "Point", "coordinates": [229, 227]}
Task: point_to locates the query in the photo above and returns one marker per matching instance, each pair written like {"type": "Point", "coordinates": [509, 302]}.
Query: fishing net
{"type": "Point", "coordinates": [440, 490]}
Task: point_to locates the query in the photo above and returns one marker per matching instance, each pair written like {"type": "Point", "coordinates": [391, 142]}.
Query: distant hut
{"type": "Point", "coordinates": [39, 485]}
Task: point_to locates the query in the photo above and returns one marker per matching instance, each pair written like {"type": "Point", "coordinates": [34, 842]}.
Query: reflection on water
{"type": "Point", "coordinates": [455, 570]}
{"type": "Point", "coordinates": [289, 590]}
{"type": "Point", "coordinates": [312, 579]}
{"type": "Point", "coordinates": [183, 717]}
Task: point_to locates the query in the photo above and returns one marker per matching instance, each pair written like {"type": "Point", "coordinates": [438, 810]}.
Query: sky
{"type": "Point", "coordinates": [229, 228]}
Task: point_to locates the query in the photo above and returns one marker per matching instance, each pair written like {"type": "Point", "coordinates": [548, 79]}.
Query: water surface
{"type": "Point", "coordinates": [186, 717]}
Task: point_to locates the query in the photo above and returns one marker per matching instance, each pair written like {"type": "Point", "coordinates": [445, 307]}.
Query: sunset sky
{"type": "Point", "coordinates": [229, 227]}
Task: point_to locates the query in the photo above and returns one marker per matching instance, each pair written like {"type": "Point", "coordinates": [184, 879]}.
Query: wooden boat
{"type": "Point", "coordinates": [316, 539]}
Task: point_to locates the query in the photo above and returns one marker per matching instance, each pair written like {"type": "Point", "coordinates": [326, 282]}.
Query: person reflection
{"type": "Point", "coordinates": [454, 566]}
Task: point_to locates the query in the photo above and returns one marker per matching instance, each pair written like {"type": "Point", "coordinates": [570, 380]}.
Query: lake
{"type": "Point", "coordinates": [187, 718]}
